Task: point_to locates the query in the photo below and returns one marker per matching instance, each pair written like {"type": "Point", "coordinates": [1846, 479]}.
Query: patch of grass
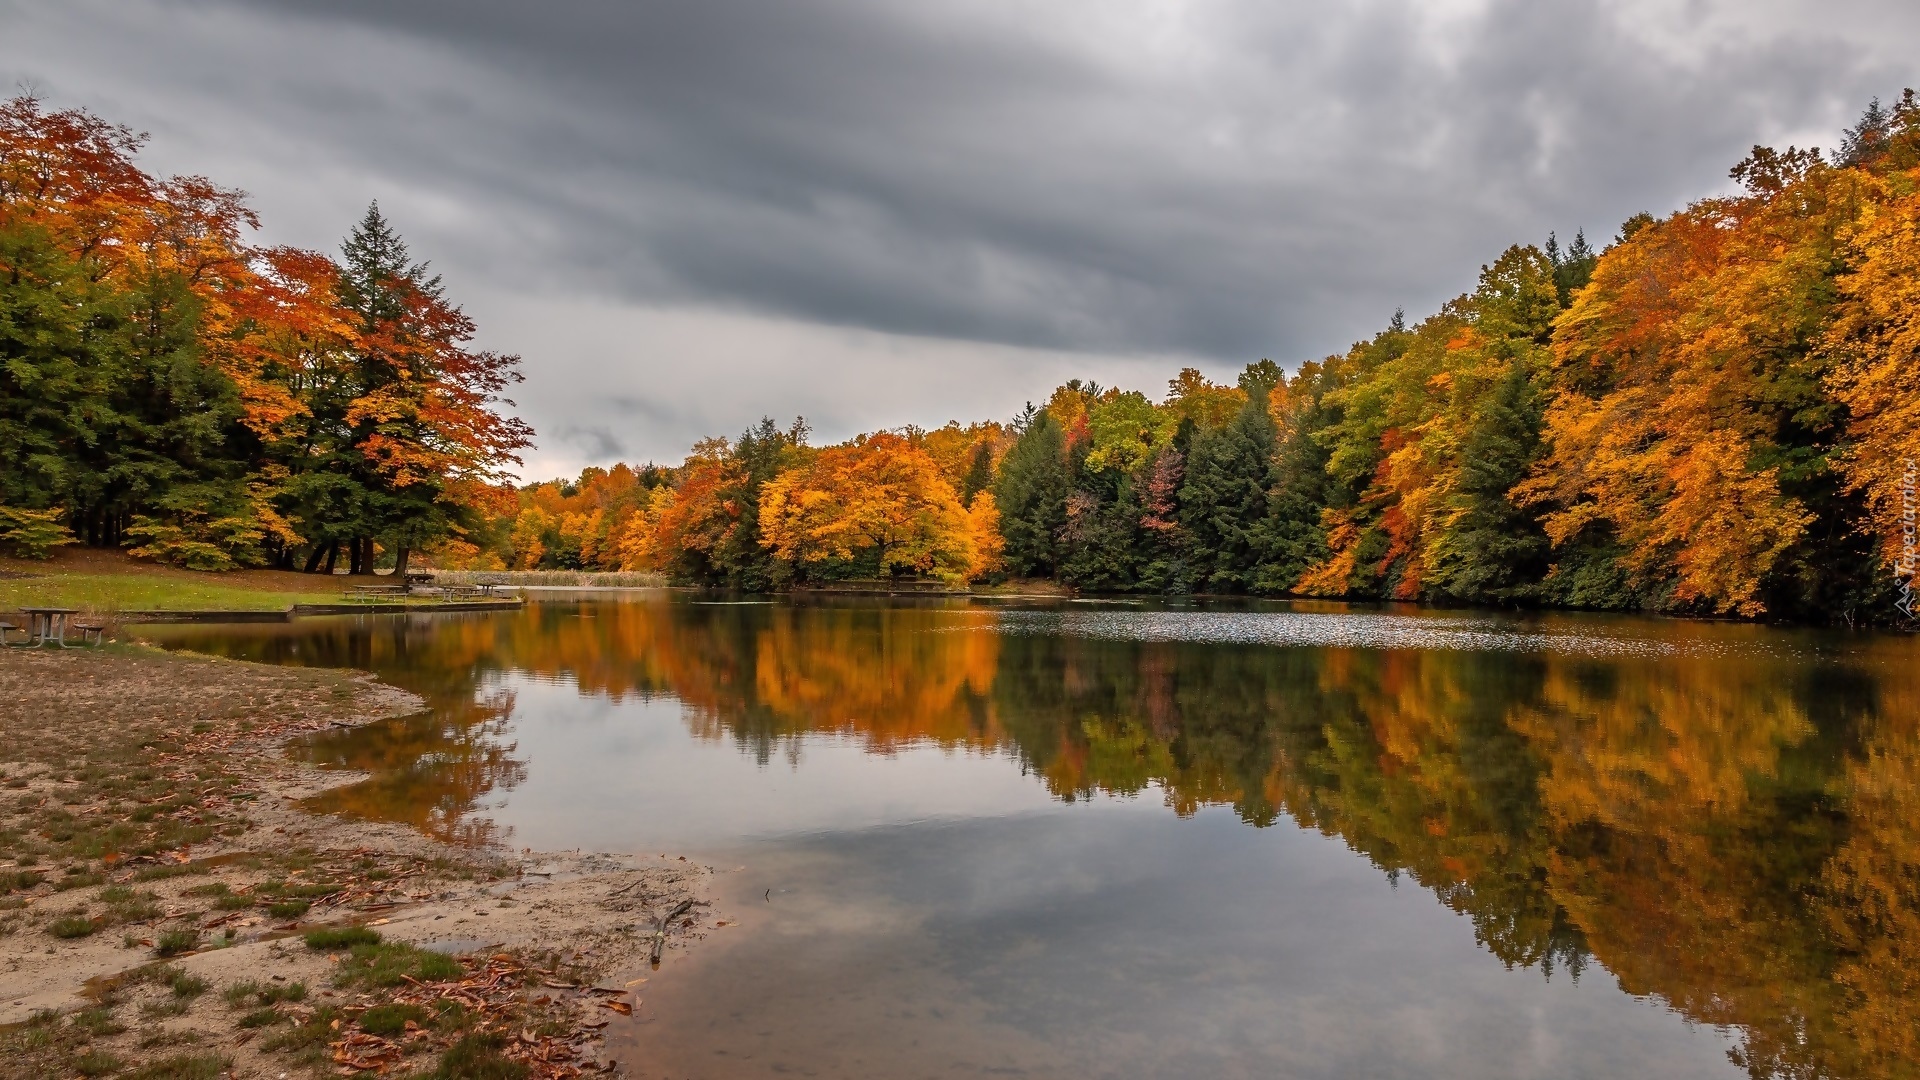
{"type": "Point", "coordinates": [437, 967]}
{"type": "Point", "coordinates": [341, 937]}
{"type": "Point", "coordinates": [183, 1067]}
{"type": "Point", "coordinates": [390, 964]}
{"type": "Point", "coordinates": [72, 926]}
{"type": "Point", "coordinates": [186, 986]}
{"type": "Point", "coordinates": [175, 942]}
{"type": "Point", "coordinates": [157, 873]}
{"type": "Point", "coordinates": [288, 909]}
{"type": "Point", "coordinates": [211, 888]}
{"type": "Point", "coordinates": [261, 1018]}
{"type": "Point", "coordinates": [20, 880]}
{"type": "Point", "coordinates": [477, 1057]}
{"type": "Point", "coordinates": [97, 1063]}
{"type": "Point", "coordinates": [168, 1007]}
{"type": "Point", "coordinates": [98, 1022]}
{"type": "Point", "coordinates": [306, 1042]}
{"type": "Point", "coordinates": [240, 993]}
{"type": "Point", "coordinates": [82, 880]}
{"type": "Point", "coordinates": [311, 890]}
{"type": "Point", "coordinates": [120, 584]}
{"type": "Point", "coordinates": [389, 1020]}
{"type": "Point", "coordinates": [115, 894]}
{"type": "Point", "coordinates": [153, 1038]}
{"type": "Point", "coordinates": [141, 910]}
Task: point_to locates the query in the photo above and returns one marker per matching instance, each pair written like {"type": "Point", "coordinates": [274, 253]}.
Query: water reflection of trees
{"type": "Point", "coordinates": [1737, 837]}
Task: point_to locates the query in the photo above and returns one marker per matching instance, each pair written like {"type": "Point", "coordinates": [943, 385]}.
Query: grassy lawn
{"type": "Point", "coordinates": [104, 581]}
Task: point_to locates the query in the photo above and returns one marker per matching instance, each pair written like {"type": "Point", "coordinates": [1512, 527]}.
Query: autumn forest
{"type": "Point", "coordinates": [1713, 413]}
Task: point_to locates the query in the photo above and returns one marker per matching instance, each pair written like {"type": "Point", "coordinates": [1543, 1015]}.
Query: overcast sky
{"type": "Point", "coordinates": [687, 215]}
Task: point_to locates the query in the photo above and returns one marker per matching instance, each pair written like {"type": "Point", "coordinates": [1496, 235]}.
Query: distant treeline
{"type": "Point", "coordinates": [1717, 414]}
{"type": "Point", "coordinates": [166, 385]}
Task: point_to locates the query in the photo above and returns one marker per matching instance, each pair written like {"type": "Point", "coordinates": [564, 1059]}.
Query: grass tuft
{"type": "Point", "coordinates": [184, 1067]}
{"type": "Point", "coordinates": [341, 937]}
{"type": "Point", "coordinates": [477, 1057]}
{"type": "Point", "coordinates": [175, 942]}
{"type": "Point", "coordinates": [72, 926]}
{"type": "Point", "coordinates": [390, 1020]}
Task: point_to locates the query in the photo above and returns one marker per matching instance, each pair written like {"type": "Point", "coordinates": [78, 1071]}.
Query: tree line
{"type": "Point", "coordinates": [1716, 414]}
{"type": "Point", "coordinates": [168, 386]}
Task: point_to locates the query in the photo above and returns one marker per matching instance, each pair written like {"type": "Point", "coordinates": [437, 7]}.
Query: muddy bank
{"type": "Point", "coordinates": [166, 901]}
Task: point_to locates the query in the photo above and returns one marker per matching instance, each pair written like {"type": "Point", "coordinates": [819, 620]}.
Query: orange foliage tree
{"type": "Point", "coordinates": [881, 496]}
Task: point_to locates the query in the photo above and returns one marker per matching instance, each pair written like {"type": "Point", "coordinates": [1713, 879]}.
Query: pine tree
{"type": "Point", "coordinates": [979, 474]}
{"type": "Point", "coordinates": [1490, 548]}
{"type": "Point", "coordinates": [1224, 499]}
{"type": "Point", "coordinates": [1868, 139]}
{"type": "Point", "coordinates": [1031, 493]}
{"type": "Point", "coordinates": [1292, 538]}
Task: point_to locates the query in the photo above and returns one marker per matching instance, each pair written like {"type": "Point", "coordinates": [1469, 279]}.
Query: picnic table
{"type": "Point", "coordinates": [47, 622]}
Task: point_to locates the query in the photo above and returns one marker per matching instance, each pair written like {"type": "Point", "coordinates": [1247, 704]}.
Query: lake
{"type": "Point", "coordinates": [1131, 839]}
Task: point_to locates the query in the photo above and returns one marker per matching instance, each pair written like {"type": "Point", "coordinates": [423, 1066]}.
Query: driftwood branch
{"type": "Point", "coordinates": [660, 931]}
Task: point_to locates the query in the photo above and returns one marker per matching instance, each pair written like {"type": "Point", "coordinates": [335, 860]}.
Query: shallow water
{"type": "Point", "coordinates": [1135, 840]}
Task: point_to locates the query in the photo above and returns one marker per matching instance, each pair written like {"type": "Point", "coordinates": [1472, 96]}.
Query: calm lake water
{"type": "Point", "coordinates": [1252, 840]}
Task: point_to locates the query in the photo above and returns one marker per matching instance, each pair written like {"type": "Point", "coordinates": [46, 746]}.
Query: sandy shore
{"type": "Point", "coordinates": [157, 861]}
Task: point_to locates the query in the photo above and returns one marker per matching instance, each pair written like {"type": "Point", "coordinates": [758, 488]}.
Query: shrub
{"type": "Point", "coordinates": [33, 534]}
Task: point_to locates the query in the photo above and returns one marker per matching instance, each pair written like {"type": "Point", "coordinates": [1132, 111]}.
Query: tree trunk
{"type": "Point", "coordinates": [353, 556]}
{"type": "Point", "coordinates": [333, 553]}
{"type": "Point", "coordinates": [313, 558]}
{"type": "Point", "coordinates": [400, 561]}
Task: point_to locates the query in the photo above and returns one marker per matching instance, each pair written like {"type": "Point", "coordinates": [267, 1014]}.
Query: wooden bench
{"type": "Point", "coordinates": [90, 631]}
{"type": "Point", "coordinates": [7, 627]}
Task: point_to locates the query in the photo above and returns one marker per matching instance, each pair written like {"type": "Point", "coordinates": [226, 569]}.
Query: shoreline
{"type": "Point", "coordinates": [158, 864]}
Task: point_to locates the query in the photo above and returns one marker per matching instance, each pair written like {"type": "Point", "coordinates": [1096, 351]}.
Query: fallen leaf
{"type": "Point", "coordinates": [620, 1007]}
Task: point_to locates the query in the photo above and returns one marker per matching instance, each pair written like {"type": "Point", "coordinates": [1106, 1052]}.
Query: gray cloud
{"type": "Point", "coordinates": [1218, 180]}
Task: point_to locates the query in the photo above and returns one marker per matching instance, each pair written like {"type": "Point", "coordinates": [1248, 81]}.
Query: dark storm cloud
{"type": "Point", "coordinates": [1219, 180]}
{"type": "Point", "coordinates": [1233, 179]}
{"type": "Point", "coordinates": [1225, 179]}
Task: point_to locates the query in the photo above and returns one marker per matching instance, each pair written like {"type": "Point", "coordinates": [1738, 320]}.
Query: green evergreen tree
{"type": "Point", "coordinates": [1572, 268]}
{"type": "Point", "coordinates": [979, 476]}
{"type": "Point", "coordinates": [764, 450]}
{"type": "Point", "coordinates": [1291, 539]}
{"type": "Point", "coordinates": [1031, 494]}
{"type": "Point", "coordinates": [1493, 550]}
{"type": "Point", "coordinates": [1224, 499]}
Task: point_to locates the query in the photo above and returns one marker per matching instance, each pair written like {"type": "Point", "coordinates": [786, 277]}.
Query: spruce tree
{"type": "Point", "coordinates": [1224, 499]}
{"type": "Point", "coordinates": [979, 475]}
{"type": "Point", "coordinates": [1031, 494]}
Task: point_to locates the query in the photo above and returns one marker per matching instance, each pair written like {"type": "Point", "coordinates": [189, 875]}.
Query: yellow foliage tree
{"type": "Point", "coordinates": [879, 493]}
{"type": "Point", "coordinates": [1875, 343]}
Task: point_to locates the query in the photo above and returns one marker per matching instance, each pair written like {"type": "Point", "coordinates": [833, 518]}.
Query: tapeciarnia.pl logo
{"type": "Point", "coordinates": [1903, 571]}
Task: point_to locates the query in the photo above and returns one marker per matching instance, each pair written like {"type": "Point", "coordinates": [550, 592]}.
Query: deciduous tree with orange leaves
{"type": "Point", "coordinates": [879, 502]}
{"type": "Point", "coordinates": [163, 380]}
